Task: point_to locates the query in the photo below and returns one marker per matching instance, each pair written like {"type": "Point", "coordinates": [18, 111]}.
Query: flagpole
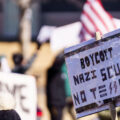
{"type": "Point", "coordinates": [112, 108]}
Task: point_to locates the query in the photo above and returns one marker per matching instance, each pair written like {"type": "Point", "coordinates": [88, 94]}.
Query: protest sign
{"type": "Point", "coordinates": [94, 73]}
{"type": "Point", "coordinates": [65, 36]}
{"type": "Point", "coordinates": [23, 88]}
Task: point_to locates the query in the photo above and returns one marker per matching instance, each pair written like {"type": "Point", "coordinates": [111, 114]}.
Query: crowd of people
{"type": "Point", "coordinates": [57, 89]}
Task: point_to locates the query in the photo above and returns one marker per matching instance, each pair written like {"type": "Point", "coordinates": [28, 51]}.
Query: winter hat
{"type": "Point", "coordinates": [9, 115]}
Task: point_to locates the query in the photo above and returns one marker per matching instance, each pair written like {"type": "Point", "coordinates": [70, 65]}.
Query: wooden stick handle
{"type": "Point", "coordinates": [113, 111]}
{"type": "Point", "coordinates": [111, 105]}
{"type": "Point", "coordinates": [97, 36]}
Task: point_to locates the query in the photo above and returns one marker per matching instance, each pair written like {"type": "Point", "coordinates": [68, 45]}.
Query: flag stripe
{"type": "Point", "coordinates": [95, 18]}
{"type": "Point", "coordinates": [86, 28]}
{"type": "Point", "coordinates": [105, 18]}
{"type": "Point", "coordinates": [87, 20]}
{"type": "Point", "coordinates": [85, 35]}
{"type": "Point", "coordinates": [91, 21]}
{"type": "Point", "coordinates": [96, 12]}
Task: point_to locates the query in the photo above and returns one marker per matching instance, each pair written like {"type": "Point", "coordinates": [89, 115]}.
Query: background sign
{"type": "Point", "coordinates": [94, 74]}
{"type": "Point", "coordinates": [23, 88]}
{"type": "Point", "coordinates": [65, 36]}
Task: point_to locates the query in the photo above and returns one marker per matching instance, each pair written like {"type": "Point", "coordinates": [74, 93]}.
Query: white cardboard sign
{"type": "Point", "coordinates": [94, 73]}
{"type": "Point", "coordinates": [65, 36]}
{"type": "Point", "coordinates": [23, 87]}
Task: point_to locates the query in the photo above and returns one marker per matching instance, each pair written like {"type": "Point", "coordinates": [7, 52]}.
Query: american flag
{"type": "Point", "coordinates": [94, 18]}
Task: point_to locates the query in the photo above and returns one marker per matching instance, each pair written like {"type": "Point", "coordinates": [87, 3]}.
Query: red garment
{"type": "Point", "coordinates": [39, 112]}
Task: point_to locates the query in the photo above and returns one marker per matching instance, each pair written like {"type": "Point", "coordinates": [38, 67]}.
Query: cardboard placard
{"type": "Point", "coordinates": [23, 88]}
{"type": "Point", "coordinates": [94, 73]}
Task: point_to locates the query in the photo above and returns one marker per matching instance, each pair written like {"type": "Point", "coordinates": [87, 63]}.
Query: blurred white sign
{"type": "Point", "coordinates": [94, 73]}
{"type": "Point", "coordinates": [65, 36]}
{"type": "Point", "coordinates": [23, 87]}
{"type": "Point", "coordinates": [45, 33]}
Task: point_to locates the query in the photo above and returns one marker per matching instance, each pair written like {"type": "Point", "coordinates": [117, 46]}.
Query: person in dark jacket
{"type": "Point", "coordinates": [9, 115]}
{"type": "Point", "coordinates": [56, 89]}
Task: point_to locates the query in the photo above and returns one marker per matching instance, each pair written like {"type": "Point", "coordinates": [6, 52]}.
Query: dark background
{"type": "Point", "coordinates": [46, 12]}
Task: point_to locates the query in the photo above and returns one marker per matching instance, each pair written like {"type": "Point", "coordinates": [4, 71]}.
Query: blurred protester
{"type": "Point", "coordinates": [56, 89]}
{"type": "Point", "coordinates": [43, 37]}
{"type": "Point", "coordinates": [57, 81]}
{"type": "Point", "coordinates": [20, 65]}
{"type": "Point", "coordinates": [7, 107]}
{"type": "Point", "coordinates": [69, 102]}
{"type": "Point", "coordinates": [4, 67]}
